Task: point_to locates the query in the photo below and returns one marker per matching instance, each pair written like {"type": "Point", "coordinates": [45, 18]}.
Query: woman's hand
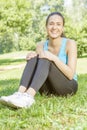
{"type": "Point", "coordinates": [30, 55]}
{"type": "Point", "coordinates": [46, 54]}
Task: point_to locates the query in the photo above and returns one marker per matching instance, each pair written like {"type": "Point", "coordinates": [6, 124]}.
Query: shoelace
{"type": "Point", "coordinates": [17, 94]}
{"type": "Point", "coordinates": [27, 95]}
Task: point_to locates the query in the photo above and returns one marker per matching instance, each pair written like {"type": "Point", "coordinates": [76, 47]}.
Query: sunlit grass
{"type": "Point", "coordinates": [48, 113]}
{"type": "Point", "coordinates": [14, 55]}
{"type": "Point", "coordinates": [82, 66]}
{"type": "Point", "coordinates": [13, 58]}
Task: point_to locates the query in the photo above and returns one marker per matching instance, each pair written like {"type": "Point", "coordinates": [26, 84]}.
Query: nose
{"type": "Point", "coordinates": [55, 26]}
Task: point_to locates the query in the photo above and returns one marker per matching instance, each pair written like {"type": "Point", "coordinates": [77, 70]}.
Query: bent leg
{"type": "Point", "coordinates": [28, 72]}
{"type": "Point", "coordinates": [60, 84]}
{"type": "Point", "coordinates": [40, 74]}
{"type": "Point", "coordinates": [57, 82]}
{"type": "Point", "coordinates": [46, 88]}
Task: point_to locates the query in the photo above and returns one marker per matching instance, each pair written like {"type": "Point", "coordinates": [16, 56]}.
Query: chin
{"type": "Point", "coordinates": [55, 37]}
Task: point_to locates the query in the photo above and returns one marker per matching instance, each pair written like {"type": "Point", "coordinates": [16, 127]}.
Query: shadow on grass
{"type": "Point", "coordinates": [10, 61]}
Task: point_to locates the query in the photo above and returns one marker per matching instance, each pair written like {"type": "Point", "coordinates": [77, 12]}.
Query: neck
{"type": "Point", "coordinates": [55, 42]}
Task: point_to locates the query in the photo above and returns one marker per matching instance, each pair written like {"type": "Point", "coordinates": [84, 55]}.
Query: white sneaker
{"type": "Point", "coordinates": [24, 101]}
{"type": "Point", "coordinates": [4, 99]}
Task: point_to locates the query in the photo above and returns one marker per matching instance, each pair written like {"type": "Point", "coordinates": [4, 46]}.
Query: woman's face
{"type": "Point", "coordinates": [55, 26]}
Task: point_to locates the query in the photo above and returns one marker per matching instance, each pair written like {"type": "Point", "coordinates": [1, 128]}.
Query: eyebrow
{"type": "Point", "coordinates": [53, 22]}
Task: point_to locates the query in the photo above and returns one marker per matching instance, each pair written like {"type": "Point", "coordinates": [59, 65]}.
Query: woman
{"type": "Point", "coordinates": [51, 69]}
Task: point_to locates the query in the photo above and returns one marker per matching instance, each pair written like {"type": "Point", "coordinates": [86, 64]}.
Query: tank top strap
{"type": "Point", "coordinates": [45, 48]}
{"type": "Point", "coordinates": [64, 41]}
{"type": "Point", "coordinates": [63, 46]}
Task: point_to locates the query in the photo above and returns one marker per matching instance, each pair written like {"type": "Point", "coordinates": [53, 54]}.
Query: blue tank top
{"type": "Point", "coordinates": [62, 53]}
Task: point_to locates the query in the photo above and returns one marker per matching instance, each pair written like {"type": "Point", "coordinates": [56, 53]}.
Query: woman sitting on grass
{"type": "Point", "coordinates": [51, 69]}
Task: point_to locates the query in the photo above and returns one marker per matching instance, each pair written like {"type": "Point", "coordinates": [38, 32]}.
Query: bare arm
{"type": "Point", "coordinates": [32, 54]}
{"type": "Point", "coordinates": [39, 47]}
{"type": "Point", "coordinates": [70, 68]}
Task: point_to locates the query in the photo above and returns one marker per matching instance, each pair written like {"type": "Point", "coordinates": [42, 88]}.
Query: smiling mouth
{"type": "Point", "coordinates": [54, 33]}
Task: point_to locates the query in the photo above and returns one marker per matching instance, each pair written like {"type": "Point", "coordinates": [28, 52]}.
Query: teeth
{"type": "Point", "coordinates": [54, 32]}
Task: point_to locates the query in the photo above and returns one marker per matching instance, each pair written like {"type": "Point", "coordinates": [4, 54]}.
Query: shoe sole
{"type": "Point", "coordinates": [11, 104]}
{"type": "Point", "coordinates": [14, 105]}
{"type": "Point", "coordinates": [2, 101]}
{"type": "Point", "coordinates": [7, 103]}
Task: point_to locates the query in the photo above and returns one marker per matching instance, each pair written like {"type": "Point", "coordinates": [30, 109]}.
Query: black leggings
{"type": "Point", "coordinates": [43, 76]}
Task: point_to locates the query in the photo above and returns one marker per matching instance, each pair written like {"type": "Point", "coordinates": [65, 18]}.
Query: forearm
{"type": "Point", "coordinates": [67, 71]}
{"type": "Point", "coordinates": [39, 48]}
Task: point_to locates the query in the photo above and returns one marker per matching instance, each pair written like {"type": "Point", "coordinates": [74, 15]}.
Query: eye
{"type": "Point", "coordinates": [51, 23]}
{"type": "Point", "coordinates": [58, 24]}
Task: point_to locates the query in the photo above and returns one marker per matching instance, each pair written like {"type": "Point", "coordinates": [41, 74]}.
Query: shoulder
{"type": "Point", "coordinates": [41, 43]}
{"type": "Point", "coordinates": [71, 43]}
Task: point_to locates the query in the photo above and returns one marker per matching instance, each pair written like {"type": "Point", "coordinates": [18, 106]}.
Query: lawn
{"type": "Point", "coordinates": [48, 113]}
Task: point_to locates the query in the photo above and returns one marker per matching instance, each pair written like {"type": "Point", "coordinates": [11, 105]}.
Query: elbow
{"type": "Point", "coordinates": [71, 77]}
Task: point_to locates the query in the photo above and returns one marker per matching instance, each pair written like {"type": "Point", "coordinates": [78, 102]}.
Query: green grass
{"type": "Point", "coordinates": [82, 65]}
{"type": "Point", "coordinates": [13, 58]}
{"type": "Point", "coordinates": [48, 113]}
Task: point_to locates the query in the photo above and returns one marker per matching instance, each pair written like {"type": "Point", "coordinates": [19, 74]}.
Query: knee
{"type": "Point", "coordinates": [33, 59]}
{"type": "Point", "coordinates": [45, 60]}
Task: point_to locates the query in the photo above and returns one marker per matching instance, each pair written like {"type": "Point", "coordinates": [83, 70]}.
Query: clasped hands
{"type": "Point", "coordinates": [43, 54]}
